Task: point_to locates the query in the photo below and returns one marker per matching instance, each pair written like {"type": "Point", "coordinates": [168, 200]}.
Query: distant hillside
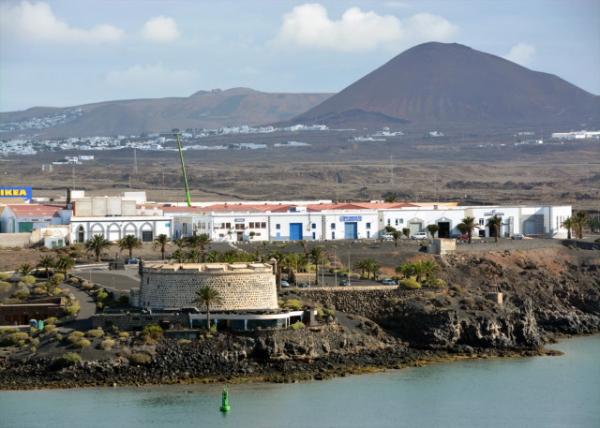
{"type": "Point", "coordinates": [204, 109]}
{"type": "Point", "coordinates": [436, 83]}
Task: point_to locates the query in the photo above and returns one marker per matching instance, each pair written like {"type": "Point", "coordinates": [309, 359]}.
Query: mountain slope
{"type": "Point", "coordinates": [204, 109]}
{"type": "Point", "coordinates": [438, 83]}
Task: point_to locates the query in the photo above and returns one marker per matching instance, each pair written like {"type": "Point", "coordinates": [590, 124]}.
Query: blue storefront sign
{"type": "Point", "coordinates": [351, 218]}
{"type": "Point", "coordinates": [22, 192]}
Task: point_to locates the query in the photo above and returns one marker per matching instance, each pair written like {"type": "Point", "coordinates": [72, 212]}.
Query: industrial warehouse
{"type": "Point", "coordinates": [80, 217]}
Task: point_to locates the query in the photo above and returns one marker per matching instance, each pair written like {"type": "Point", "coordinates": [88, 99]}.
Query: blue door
{"type": "Point", "coordinates": [295, 231]}
{"type": "Point", "coordinates": [350, 230]}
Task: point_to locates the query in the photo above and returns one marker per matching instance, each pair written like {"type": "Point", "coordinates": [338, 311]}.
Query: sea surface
{"type": "Point", "coordinates": [561, 391]}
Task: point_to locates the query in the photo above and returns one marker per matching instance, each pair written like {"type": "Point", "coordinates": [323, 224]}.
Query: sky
{"type": "Point", "coordinates": [70, 52]}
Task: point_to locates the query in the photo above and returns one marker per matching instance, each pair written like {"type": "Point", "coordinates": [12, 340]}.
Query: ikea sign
{"type": "Point", "coordinates": [23, 192]}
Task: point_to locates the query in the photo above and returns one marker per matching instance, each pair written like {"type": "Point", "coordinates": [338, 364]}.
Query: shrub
{"type": "Point", "coordinates": [107, 344]}
{"type": "Point", "coordinates": [38, 290]}
{"type": "Point", "coordinates": [28, 279]}
{"type": "Point", "coordinates": [57, 291]}
{"type": "Point", "coordinates": [298, 325]}
{"type": "Point", "coordinates": [18, 338]}
{"type": "Point", "coordinates": [87, 285]}
{"type": "Point", "coordinates": [4, 276]}
{"type": "Point", "coordinates": [153, 331]}
{"type": "Point", "coordinates": [58, 278]}
{"type": "Point", "coordinates": [436, 283]}
{"type": "Point", "coordinates": [95, 332]}
{"type": "Point", "coordinates": [83, 343]}
{"type": "Point", "coordinates": [123, 335]}
{"type": "Point", "coordinates": [293, 304]}
{"type": "Point", "coordinates": [140, 358]}
{"type": "Point", "coordinates": [22, 293]}
{"type": "Point", "coordinates": [70, 358]}
{"type": "Point", "coordinates": [75, 336]}
{"type": "Point", "coordinates": [410, 284]}
{"type": "Point", "coordinates": [50, 329]}
{"type": "Point", "coordinates": [73, 307]}
{"type": "Point", "coordinates": [50, 320]}
{"type": "Point", "coordinates": [184, 342]}
{"type": "Point", "coordinates": [5, 286]}
{"type": "Point", "coordinates": [101, 295]}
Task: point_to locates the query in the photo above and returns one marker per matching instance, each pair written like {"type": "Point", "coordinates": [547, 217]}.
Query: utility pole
{"type": "Point", "coordinates": [135, 165]}
{"type": "Point", "coordinates": [188, 198]}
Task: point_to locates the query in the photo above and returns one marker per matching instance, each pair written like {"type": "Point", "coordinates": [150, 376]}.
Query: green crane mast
{"type": "Point", "coordinates": [188, 198]}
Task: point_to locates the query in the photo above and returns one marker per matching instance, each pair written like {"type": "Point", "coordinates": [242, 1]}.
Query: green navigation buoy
{"type": "Point", "coordinates": [225, 407]}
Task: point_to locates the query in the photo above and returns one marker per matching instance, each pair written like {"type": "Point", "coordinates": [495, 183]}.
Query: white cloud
{"type": "Point", "coordinates": [160, 29]}
{"type": "Point", "coordinates": [521, 53]}
{"type": "Point", "coordinates": [37, 22]}
{"type": "Point", "coordinates": [146, 77]}
{"type": "Point", "coordinates": [308, 25]}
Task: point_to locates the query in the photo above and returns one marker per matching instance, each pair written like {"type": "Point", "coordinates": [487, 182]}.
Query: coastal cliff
{"type": "Point", "coordinates": [546, 293]}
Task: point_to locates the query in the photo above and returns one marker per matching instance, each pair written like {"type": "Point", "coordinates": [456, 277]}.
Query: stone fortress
{"type": "Point", "coordinates": [241, 286]}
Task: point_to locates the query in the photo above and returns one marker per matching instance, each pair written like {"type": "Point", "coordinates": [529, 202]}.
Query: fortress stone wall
{"type": "Point", "coordinates": [241, 286]}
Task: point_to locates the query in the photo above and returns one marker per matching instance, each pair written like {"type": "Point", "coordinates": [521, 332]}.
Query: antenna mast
{"type": "Point", "coordinates": [188, 198]}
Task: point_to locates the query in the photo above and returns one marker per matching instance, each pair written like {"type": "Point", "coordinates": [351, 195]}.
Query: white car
{"type": "Point", "coordinates": [387, 237]}
{"type": "Point", "coordinates": [419, 235]}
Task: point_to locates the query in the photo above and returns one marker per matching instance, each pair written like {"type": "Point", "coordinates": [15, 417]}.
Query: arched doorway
{"type": "Point", "coordinates": [80, 234]}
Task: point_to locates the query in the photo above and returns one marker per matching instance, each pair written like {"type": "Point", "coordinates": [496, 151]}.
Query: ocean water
{"type": "Point", "coordinates": [544, 392]}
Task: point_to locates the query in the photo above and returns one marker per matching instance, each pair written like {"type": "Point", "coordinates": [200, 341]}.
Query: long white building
{"type": "Point", "coordinates": [329, 221]}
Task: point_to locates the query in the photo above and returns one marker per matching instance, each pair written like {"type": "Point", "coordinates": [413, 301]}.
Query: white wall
{"type": "Point", "coordinates": [114, 228]}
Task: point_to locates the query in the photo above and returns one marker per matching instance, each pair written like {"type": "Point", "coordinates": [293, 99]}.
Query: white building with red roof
{"type": "Point", "coordinates": [19, 218]}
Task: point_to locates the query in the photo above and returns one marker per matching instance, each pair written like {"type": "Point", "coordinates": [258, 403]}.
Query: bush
{"type": "Point", "coordinates": [38, 291]}
{"type": "Point", "coordinates": [5, 286]}
{"type": "Point", "coordinates": [436, 283]}
{"type": "Point", "coordinates": [70, 358]}
{"type": "Point", "coordinates": [298, 325]}
{"type": "Point", "coordinates": [18, 338]}
{"type": "Point", "coordinates": [22, 293]}
{"type": "Point", "coordinates": [95, 332]}
{"type": "Point", "coordinates": [58, 278]}
{"type": "Point", "coordinates": [50, 320]}
{"type": "Point", "coordinates": [75, 336]}
{"type": "Point", "coordinates": [123, 335]}
{"type": "Point", "coordinates": [73, 307]}
{"type": "Point", "coordinates": [4, 276]}
{"type": "Point", "coordinates": [410, 284]}
{"type": "Point", "coordinates": [28, 279]}
{"type": "Point", "coordinates": [101, 295]}
{"type": "Point", "coordinates": [107, 344]}
{"type": "Point", "coordinates": [293, 304]}
{"type": "Point", "coordinates": [153, 331]}
{"type": "Point", "coordinates": [50, 329]}
{"type": "Point", "coordinates": [140, 358]}
{"type": "Point", "coordinates": [83, 343]}
{"type": "Point", "coordinates": [184, 342]}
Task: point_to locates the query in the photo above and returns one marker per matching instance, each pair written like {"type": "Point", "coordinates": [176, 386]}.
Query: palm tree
{"type": "Point", "coordinates": [317, 254]}
{"type": "Point", "coordinates": [212, 257]}
{"type": "Point", "coordinates": [178, 255]}
{"type": "Point", "coordinates": [199, 242]}
{"type": "Point", "coordinates": [406, 232]}
{"type": "Point", "coordinates": [207, 296]}
{"type": "Point", "coordinates": [193, 256]}
{"type": "Point", "coordinates": [46, 262]}
{"type": "Point", "coordinates": [290, 262]}
{"type": "Point", "coordinates": [568, 224]}
{"type": "Point", "coordinates": [396, 234]}
{"type": "Point", "coordinates": [64, 264]}
{"type": "Point", "coordinates": [406, 270]}
{"type": "Point", "coordinates": [161, 241]}
{"type": "Point", "coordinates": [279, 262]}
{"type": "Point", "coordinates": [494, 224]}
{"type": "Point", "coordinates": [469, 225]}
{"type": "Point", "coordinates": [129, 242]}
{"type": "Point", "coordinates": [25, 269]}
{"type": "Point", "coordinates": [428, 269]}
{"type": "Point", "coordinates": [433, 229]}
{"type": "Point", "coordinates": [179, 243]}
{"type": "Point", "coordinates": [363, 265]}
{"type": "Point", "coordinates": [96, 245]}
{"type": "Point", "coordinates": [580, 221]}
{"type": "Point", "coordinates": [374, 269]}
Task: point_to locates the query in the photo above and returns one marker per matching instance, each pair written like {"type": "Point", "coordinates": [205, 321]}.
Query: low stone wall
{"type": "Point", "coordinates": [364, 301]}
{"type": "Point", "coordinates": [14, 239]}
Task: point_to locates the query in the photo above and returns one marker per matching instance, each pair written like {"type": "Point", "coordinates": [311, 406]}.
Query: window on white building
{"type": "Point", "coordinates": [278, 226]}
{"type": "Point", "coordinates": [332, 235]}
{"type": "Point", "coordinates": [332, 226]}
{"type": "Point", "coordinates": [368, 225]}
{"type": "Point", "coordinates": [481, 221]}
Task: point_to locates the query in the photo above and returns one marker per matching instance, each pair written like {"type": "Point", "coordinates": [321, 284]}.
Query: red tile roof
{"type": "Point", "coordinates": [33, 210]}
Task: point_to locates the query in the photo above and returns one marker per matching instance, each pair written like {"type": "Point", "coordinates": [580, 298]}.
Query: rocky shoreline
{"type": "Point", "coordinates": [548, 294]}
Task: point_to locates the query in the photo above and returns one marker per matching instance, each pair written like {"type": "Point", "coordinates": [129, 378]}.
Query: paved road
{"type": "Point", "coordinates": [87, 308]}
{"type": "Point", "coordinates": [118, 280]}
